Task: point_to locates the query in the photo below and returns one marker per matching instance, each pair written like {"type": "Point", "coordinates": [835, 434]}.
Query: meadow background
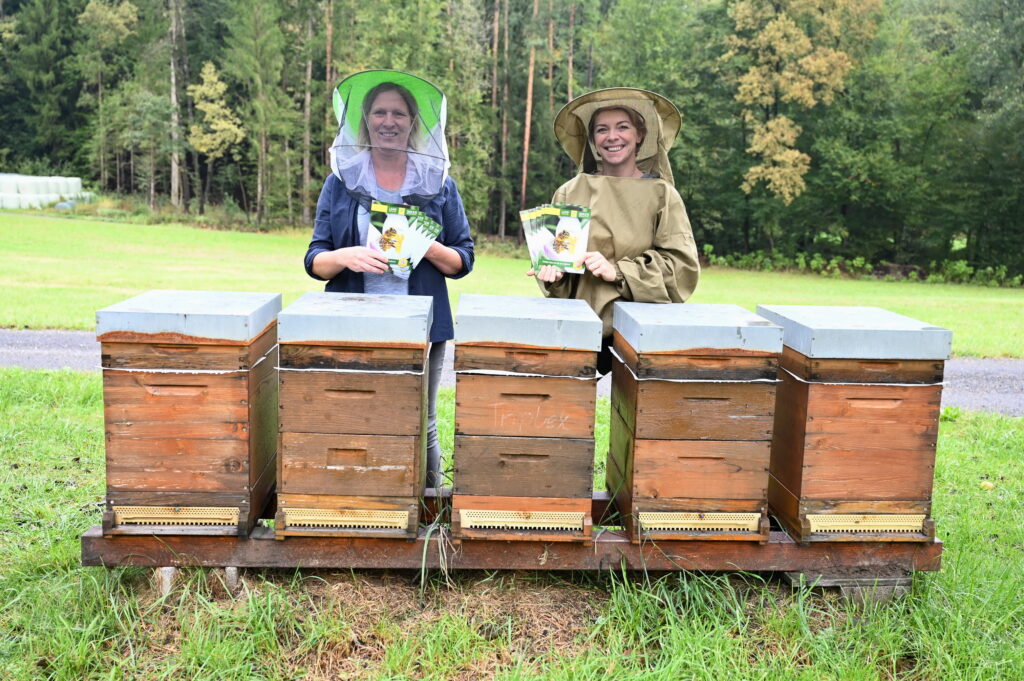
{"type": "Point", "coordinates": [59, 620]}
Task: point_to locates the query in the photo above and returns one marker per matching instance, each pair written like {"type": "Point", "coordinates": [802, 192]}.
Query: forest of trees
{"type": "Point", "coordinates": [884, 130]}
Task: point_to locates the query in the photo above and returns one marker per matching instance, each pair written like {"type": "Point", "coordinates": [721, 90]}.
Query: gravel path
{"type": "Point", "coordinates": [975, 384]}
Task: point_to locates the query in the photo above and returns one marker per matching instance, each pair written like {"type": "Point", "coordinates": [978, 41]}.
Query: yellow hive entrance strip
{"type": "Point", "coordinates": [835, 522]}
{"type": "Point", "coordinates": [521, 520]}
{"type": "Point", "coordinates": [665, 521]}
{"type": "Point", "coordinates": [320, 517]}
{"type": "Point", "coordinates": [175, 515]}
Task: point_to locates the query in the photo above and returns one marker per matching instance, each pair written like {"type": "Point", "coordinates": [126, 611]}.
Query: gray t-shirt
{"type": "Point", "coordinates": [387, 282]}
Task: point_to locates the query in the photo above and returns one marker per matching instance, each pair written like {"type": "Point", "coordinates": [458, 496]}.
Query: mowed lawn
{"type": "Point", "coordinates": [55, 273]}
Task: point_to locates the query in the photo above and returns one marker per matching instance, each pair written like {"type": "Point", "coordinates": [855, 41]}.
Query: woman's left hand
{"type": "Point", "coordinates": [598, 265]}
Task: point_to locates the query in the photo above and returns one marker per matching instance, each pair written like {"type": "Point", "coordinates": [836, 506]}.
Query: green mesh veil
{"type": "Point", "coordinates": [426, 148]}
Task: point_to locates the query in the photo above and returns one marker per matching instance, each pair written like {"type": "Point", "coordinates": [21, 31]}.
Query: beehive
{"type": "Point", "coordinates": [524, 418]}
{"type": "Point", "coordinates": [855, 431]}
{"type": "Point", "coordinates": [693, 396]}
{"type": "Point", "coordinates": [352, 414]}
{"type": "Point", "coordinates": [190, 403]}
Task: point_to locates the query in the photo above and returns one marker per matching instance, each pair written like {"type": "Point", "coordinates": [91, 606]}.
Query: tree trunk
{"type": "Point", "coordinates": [494, 55]}
{"type": "Point", "coordinates": [288, 180]}
{"type": "Point", "coordinates": [103, 132]}
{"type": "Point", "coordinates": [572, 38]}
{"type": "Point", "coordinates": [152, 178]}
{"type": "Point", "coordinates": [306, 141]}
{"type": "Point", "coordinates": [175, 123]}
{"type": "Point", "coordinates": [590, 66]}
{"type": "Point", "coordinates": [193, 181]}
{"type": "Point", "coordinates": [261, 170]}
{"type": "Point", "coordinates": [502, 208]}
{"type": "Point", "coordinates": [329, 78]}
{"type": "Point", "coordinates": [528, 116]}
{"type": "Point", "coordinates": [206, 187]}
{"type": "Point", "coordinates": [551, 56]}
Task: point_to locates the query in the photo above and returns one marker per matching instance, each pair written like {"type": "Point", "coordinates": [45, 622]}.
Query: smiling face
{"type": "Point", "coordinates": [617, 140]}
{"type": "Point", "coordinates": [389, 121]}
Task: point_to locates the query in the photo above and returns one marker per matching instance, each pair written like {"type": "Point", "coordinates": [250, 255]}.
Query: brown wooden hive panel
{"type": "Point", "coordinates": [175, 399]}
{"type": "Point", "coordinates": [868, 474]}
{"type": "Point", "coordinates": [700, 469]}
{"type": "Point", "coordinates": [668, 410]}
{"type": "Point", "coordinates": [862, 370]}
{"type": "Point", "coordinates": [858, 417]}
{"type": "Point", "coordinates": [699, 364]}
{"type": "Point", "coordinates": [166, 464]}
{"type": "Point", "coordinates": [524, 466]}
{"type": "Point", "coordinates": [187, 356]}
{"type": "Point", "coordinates": [525, 359]}
{"type": "Point", "coordinates": [525, 406]}
{"type": "Point", "coordinates": [349, 465]}
{"type": "Point", "coordinates": [357, 403]}
{"type": "Point", "coordinates": [352, 357]}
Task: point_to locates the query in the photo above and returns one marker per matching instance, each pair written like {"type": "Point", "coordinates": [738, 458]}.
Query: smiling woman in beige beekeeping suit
{"type": "Point", "coordinates": [641, 247]}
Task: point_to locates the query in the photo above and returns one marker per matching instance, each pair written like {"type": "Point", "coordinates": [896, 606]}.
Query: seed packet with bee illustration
{"type": "Point", "coordinates": [401, 233]}
{"type": "Point", "coordinates": [556, 234]}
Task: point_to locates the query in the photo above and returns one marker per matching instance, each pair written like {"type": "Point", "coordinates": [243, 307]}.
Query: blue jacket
{"type": "Point", "coordinates": [335, 227]}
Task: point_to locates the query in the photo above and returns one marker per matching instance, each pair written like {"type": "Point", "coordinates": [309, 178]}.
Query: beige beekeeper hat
{"type": "Point", "coordinates": [660, 116]}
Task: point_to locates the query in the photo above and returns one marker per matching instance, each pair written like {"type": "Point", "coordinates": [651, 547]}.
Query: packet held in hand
{"type": "Point", "coordinates": [556, 234]}
{"type": "Point", "coordinates": [401, 233]}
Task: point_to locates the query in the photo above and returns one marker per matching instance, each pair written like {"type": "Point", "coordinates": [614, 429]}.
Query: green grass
{"type": "Point", "coordinates": [55, 273]}
{"type": "Point", "coordinates": [59, 620]}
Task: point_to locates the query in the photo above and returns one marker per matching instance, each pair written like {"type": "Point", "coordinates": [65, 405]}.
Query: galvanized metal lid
{"type": "Point", "coordinates": [356, 318]}
{"type": "Point", "coordinates": [542, 322]}
{"type": "Point", "coordinates": [841, 332]}
{"type": "Point", "coordinates": [225, 315]}
{"type": "Point", "coordinates": [679, 327]}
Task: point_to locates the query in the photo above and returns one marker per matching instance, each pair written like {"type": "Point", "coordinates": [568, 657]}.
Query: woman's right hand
{"type": "Point", "coordinates": [329, 264]}
{"type": "Point", "coordinates": [362, 259]}
{"type": "Point", "coordinates": [549, 274]}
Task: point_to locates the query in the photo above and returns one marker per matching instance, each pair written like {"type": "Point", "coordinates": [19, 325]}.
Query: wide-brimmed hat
{"type": "Point", "coordinates": [661, 118]}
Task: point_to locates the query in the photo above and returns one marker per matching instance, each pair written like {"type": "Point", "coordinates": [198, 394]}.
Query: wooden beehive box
{"type": "Point", "coordinates": [524, 418]}
{"type": "Point", "coordinates": [190, 403]}
{"type": "Point", "coordinates": [853, 455]}
{"type": "Point", "coordinates": [352, 415]}
{"type": "Point", "coordinates": [693, 397]}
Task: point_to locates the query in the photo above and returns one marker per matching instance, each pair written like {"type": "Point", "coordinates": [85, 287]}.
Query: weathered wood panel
{"type": "Point", "coordinates": [704, 411]}
{"type": "Point", "coordinates": [788, 433]}
{"type": "Point", "coordinates": [708, 364]}
{"type": "Point", "coordinates": [524, 406]}
{"type": "Point", "coordinates": [527, 360]}
{"type": "Point", "coordinates": [524, 466]}
{"type": "Point", "coordinates": [186, 356]}
{"type": "Point", "coordinates": [347, 502]}
{"type": "Point", "coordinates": [349, 465]}
{"type": "Point", "coordinates": [357, 403]}
{"type": "Point", "coordinates": [876, 474]}
{"type": "Point", "coordinates": [862, 370]}
{"type": "Point", "coordinates": [702, 469]}
{"type": "Point", "coordinates": [176, 399]}
{"type": "Point", "coordinates": [177, 465]}
{"type": "Point", "coordinates": [357, 358]}
{"type": "Point", "coordinates": [263, 408]}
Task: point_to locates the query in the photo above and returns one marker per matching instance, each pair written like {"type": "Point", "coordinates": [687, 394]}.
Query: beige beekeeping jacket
{"type": "Point", "coordinates": [639, 224]}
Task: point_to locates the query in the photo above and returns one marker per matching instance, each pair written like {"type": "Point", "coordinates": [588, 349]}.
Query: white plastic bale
{"type": "Point", "coordinates": [28, 185]}
{"type": "Point", "coordinates": [75, 186]}
{"type": "Point", "coordinates": [8, 184]}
